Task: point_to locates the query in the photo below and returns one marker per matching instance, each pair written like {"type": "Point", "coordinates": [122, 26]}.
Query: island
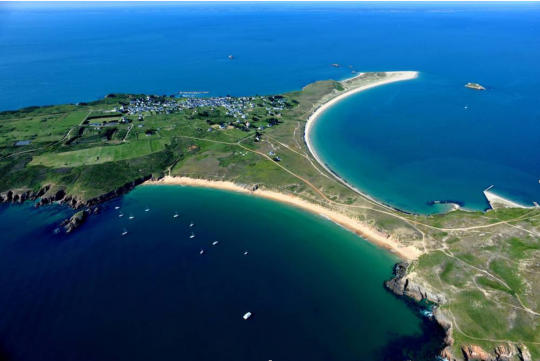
{"type": "Point", "coordinates": [474, 273]}
{"type": "Point", "coordinates": [474, 86]}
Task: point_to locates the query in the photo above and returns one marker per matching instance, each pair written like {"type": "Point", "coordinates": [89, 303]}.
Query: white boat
{"type": "Point", "coordinates": [231, 57]}
{"type": "Point", "coordinates": [121, 214]}
{"type": "Point", "coordinates": [191, 224]}
{"type": "Point", "coordinates": [116, 207]}
{"type": "Point", "coordinates": [202, 251]}
{"type": "Point", "coordinates": [245, 253]}
{"type": "Point", "coordinates": [216, 242]}
{"type": "Point", "coordinates": [147, 209]}
{"type": "Point", "coordinates": [175, 214]}
{"type": "Point", "coordinates": [247, 315]}
{"type": "Point", "coordinates": [192, 235]}
{"type": "Point", "coordinates": [466, 106]}
{"type": "Point", "coordinates": [131, 216]}
{"type": "Point", "coordinates": [125, 232]}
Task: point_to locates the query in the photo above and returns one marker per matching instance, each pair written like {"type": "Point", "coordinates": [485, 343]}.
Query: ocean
{"type": "Point", "coordinates": [406, 144]}
{"type": "Point", "coordinates": [315, 290]}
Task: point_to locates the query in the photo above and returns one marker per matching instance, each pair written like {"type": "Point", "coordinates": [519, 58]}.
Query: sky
{"type": "Point", "coordinates": [81, 5]}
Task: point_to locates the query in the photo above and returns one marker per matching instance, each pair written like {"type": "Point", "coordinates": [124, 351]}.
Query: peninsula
{"type": "Point", "coordinates": [478, 269]}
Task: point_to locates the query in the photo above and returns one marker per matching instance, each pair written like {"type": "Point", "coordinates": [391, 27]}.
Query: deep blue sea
{"type": "Point", "coordinates": [406, 144]}
{"type": "Point", "coordinates": [315, 290]}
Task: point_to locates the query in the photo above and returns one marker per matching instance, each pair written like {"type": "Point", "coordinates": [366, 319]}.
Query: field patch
{"type": "Point", "coordinates": [74, 118]}
{"type": "Point", "coordinates": [100, 155]}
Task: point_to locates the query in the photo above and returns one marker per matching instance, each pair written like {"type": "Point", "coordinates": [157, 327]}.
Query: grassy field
{"type": "Point", "coordinates": [98, 155]}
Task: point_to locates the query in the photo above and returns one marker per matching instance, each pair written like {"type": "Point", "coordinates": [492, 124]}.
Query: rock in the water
{"type": "Point", "coordinates": [75, 221]}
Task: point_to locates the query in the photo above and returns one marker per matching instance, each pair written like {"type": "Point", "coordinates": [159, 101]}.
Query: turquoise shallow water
{"type": "Point", "coordinates": [314, 289]}
{"type": "Point", "coordinates": [410, 143]}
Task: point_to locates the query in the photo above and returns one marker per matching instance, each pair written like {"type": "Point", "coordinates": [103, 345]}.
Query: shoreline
{"type": "Point", "coordinates": [396, 76]}
{"type": "Point", "coordinates": [369, 234]}
{"type": "Point", "coordinates": [497, 201]}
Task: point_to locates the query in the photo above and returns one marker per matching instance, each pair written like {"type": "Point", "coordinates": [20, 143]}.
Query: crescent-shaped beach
{"type": "Point", "coordinates": [351, 89]}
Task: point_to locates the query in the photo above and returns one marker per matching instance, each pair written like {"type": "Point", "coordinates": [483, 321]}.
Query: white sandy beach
{"type": "Point", "coordinates": [348, 223]}
{"type": "Point", "coordinates": [497, 201]}
{"type": "Point", "coordinates": [391, 77]}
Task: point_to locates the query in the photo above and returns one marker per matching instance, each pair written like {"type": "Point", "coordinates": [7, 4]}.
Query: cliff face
{"type": "Point", "coordinates": [405, 286]}
{"type": "Point", "coordinates": [507, 352]}
{"type": "Point", "coordinates": [22, 195]}
{"type": "Point", "coordinates": [50, 194]}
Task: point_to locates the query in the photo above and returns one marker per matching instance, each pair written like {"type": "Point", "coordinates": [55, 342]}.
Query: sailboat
{"type": "Point", "coordinates": [147, 209]}
{"type": "Point", "coordinates": [191, 224]}
{"type": "Point", "coordinates": [121, 214]}
{"type": "Point", "coordinates": [131, 216]}
{"type": "Point", "coordinates": [216, 242]}
{"type": "Point", "coordinates": [125, 232]}
{"type": "Point", "coordinates": [202, 251]}
{"type": "Point", "coordinates": [175, 214]}
{"type": "Point", "coordinates": [192, 235]}
{"type": "Point", "coordinates": [245, 253]}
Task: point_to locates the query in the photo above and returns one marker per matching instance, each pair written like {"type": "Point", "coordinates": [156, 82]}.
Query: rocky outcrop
{"type": "Point", "coordinates": [503, 352]}
{"type": "Point", "coordinates": [524, 353]}
{"type": "Point", "coordinates": [403, 286]}
{"type": "Point", "coordinates": [442, 319]}
{"type": "Point", "coordinates": [474, 86]}
{"type": "Point", "coordinates": [51, 197]}
{"type": "Point", "coordinates": [22, 195]}
{"type": "Point", "coordinates": [19, 195]}
{"type": "Point", "coordinates": [397, 283]}
{"type": "Point", "coordinates": [418, 292]}
{"type": "Point", "coordinates": [476, 353]}
{"type": "Point", "coordinates": [71, 224]}
{"type": "Point", "coordinates": [48, 195]}
{"type": "Point", "coordinates": [447, 355]}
